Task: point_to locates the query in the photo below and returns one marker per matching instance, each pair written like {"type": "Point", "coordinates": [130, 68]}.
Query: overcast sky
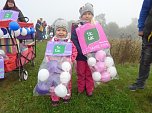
{"type": "Point", "coordinates": [119, 11]}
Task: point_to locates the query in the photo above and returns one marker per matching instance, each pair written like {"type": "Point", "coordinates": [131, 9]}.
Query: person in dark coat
{"type": "Point", "coordinates": [84, 81]}
{"type": "Point", "coordinates": [10, 5]}
{"type": "Point", "coordinates": [145, 31]}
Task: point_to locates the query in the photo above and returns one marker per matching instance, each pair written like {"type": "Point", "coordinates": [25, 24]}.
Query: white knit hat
{"type": "Point", "coordinates": [60, 23]}
{"type": "Point", "coordinates": [87, 7]}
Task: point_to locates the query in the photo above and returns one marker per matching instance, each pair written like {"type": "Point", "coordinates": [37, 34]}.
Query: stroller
{"type": "Point", "coordinates": [14, 54]}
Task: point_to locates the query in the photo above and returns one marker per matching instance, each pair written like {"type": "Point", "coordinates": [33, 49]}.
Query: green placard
{"type": "Point", "coordinates": [91, 36]}
{"type": "Point", "coordinates": [59, 49]}
{"type": "Point", "coordinates": [8, 15]}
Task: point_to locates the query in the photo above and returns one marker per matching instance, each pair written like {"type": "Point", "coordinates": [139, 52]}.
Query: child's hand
{"type": "Point", "coordinates": [52, 89]}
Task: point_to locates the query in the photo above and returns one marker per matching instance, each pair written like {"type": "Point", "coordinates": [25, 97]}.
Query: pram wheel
{"type": "Point", "coordinates": [24, 75]}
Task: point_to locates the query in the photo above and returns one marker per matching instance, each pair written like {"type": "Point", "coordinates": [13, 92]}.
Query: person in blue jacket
{"type": "Point", "coordinates": [145, 31]}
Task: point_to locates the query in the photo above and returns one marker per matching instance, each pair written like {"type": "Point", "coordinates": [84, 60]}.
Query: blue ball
{"type": "Point", "coordinates": [32, 30]}
{"type": "Point", "coordinates": [42, 88]}
{"type": "Point", "coordinates": [14, 26]}
{"type": "Point", "coordinates": [28, 31]}
{"type": "Point", "coordinates": [4, 31]}
{"type": "Point", "coordinates": [20, 30]}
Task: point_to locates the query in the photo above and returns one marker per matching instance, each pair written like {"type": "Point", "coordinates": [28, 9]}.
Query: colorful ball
{"type": "Point", "coordinates": [96, 76]}
{"type": "Point", "coordinates": [23, 32]}
{"type": "Point", "coordinates": [65, 77]}
{"type": "Point", "coordinates": [100, 55]}
{"type": "Point", "coordinates": [100, 66]}
{"type": "Point", "coordinates": [4, 30]}
{"type": "Point", "coordinates": [91, 61]}
{"type": "Point", "coordinates": [112, 70]}
{"type": "Point", "coordinates": [66, 66]}
{"type": "Point", "coordinates": [105, 77]}
{"type": "Point", "coordinates": [43, 75]}
{"type": "Point", "coordinates": [60, 90]}
{"type": "Point", "coordinates": [42, 88]}
{"type": "Point", "coordinates": [109, 61]}
{"type": "Point", "coordinates": [14, 26]}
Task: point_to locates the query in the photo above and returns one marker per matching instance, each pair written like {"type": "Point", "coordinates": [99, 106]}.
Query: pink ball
{"type": "Point", "coordinates": [100, 55]}
{"type": "Point", "coordinates": [100, 66]}
{"type": "Point", "coordinates": [105, 77]}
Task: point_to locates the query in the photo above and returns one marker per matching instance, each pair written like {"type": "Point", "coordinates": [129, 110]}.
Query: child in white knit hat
{"type": "Point", "coordinates": [84, 79]}
{"type": "Point", "coordinates": [61, 35]}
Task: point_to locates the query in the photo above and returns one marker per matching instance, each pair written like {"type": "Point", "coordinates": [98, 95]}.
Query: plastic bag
{"type": "Point", "coordinates": [55, 71]}
{"type": "Point", "coordinates": [96, 48]}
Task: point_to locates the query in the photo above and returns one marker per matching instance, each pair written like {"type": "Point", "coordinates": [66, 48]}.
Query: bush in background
{"type": "Point", "coordinates": [126, 50]}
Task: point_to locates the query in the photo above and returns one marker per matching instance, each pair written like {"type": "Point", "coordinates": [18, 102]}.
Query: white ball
{"type": "Point", "coordinates": [91, 61]}
{"type": "Point", "coordinates": [96, 76]}
{"type": "Point", "coordinates": [24, 32]}
{"type": "Point", "coordinates": [43, 74]}
{"type": "Point", "coordinates": [17, 33]}
{"type": "Point", "coordinates": [109, 61]}
{"type": "Point", "coordinates": [112, 70]}
{"type": "Point", "coordinates": [1, 33]}
{"type": "Point", "coordinates": [66, 66]}
{"type": "Point", "coordinates": [60, 90]}
{"type": "Point", "coordinates": [65, 77]}
{"type": "Point", "coordinates": [6, 36]}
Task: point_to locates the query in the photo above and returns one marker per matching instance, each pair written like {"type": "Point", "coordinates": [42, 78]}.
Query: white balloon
{"type": "Point", "coordinates": [112, 70]}
{"type": "Point", "coordinates": [24, 32]}
{"type": "Point", "coordinates": [66, 66]}
{"type": "Point", "coordinates": [17, 33]}
{"type": "Point", "coordinates": [109, 61]}
{"type": "Point", "coordinates": [6, 36]}
{"type": "Point", "coordinates": [96, 76]}
{"type": "Point", "coordinates": [91, 61]}
{"type": "Point", "coordinates": [60, 90]}
{"type": "Point", "coordinates": [1, 33]}
{"type": "Point", "coordinates": [43, 74]}
{"type": "Point", "coordinates": [65, 77]}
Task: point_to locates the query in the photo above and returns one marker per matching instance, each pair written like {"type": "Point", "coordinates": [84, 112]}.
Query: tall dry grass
{"type": "Point", "coordinates": [126, 50]}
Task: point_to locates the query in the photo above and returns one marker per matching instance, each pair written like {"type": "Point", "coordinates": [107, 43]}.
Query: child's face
{"type": "Point", "coordinates": [87, 16]}
{"type": "Point", "coordinates": [10, 4]}
{"type": "Point", "coordinates": [61, 32]}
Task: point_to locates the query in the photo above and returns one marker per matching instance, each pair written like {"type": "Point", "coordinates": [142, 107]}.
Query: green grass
{"type": "Point", "coordinates": [112, 97]}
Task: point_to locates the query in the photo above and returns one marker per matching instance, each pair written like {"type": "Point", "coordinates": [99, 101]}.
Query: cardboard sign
{"type": "Point", "coordinates": [92, 38]}
{"type": "Point", "coordinates": [58, 48]}
{"type": "Point", "coordinates": [1, 67]}
{"type": "Point", "coordinates": [8, 15]}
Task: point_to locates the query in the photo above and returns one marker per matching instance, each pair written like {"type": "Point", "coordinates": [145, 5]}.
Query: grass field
{"type": "Point", "coordinates": [112, 97]}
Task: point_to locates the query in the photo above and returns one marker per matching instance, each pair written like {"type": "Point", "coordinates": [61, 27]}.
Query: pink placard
{"type": "Point", "coordinates": [92, 38]}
